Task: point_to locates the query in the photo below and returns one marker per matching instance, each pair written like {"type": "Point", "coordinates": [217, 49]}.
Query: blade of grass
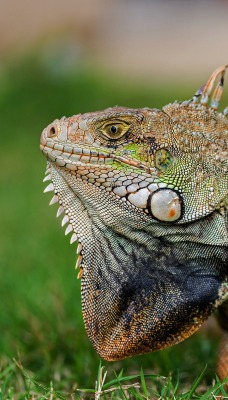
{"type": "Point", "coordinates": [6, 370]}
{"type": "Point", "coordinates": [120, 386]}
{"type": "Point", "coordinates": [212, 391]}
{"type": "Point", "coordinates": [177, 384]}
{"type": "Point", "coordinates": [129, 378]}
{"type": "Point", "coordinates": [143, 382]}
{"type": "Point", "coordinates": [37, 384]}
{"type": "Point", "coordinates": [196, 384]}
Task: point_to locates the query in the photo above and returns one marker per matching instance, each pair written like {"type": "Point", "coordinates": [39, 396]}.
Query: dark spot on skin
{"type": "Point", "coordinates": [153, 144]}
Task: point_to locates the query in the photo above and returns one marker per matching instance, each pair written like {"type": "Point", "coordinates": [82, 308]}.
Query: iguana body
{"type": "Point", "coordinates": [145, 193]}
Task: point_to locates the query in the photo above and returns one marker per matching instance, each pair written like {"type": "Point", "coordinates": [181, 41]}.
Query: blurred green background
{"type": "Point", "coordinates": [43, 79]}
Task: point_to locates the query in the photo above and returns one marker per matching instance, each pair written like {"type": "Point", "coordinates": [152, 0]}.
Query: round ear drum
{"type": "Point", "coordinates": [166, 205]}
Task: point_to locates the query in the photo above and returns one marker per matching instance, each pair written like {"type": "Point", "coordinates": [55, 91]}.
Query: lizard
{"type": "Point", "coordinates": [144, 193]}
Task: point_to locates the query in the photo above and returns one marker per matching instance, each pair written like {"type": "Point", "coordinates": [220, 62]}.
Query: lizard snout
{"type": "Point", "coordinates": [43, 137]}
{"type": "Point", "coordinates": [49, 132]}
{"type": "Point", "coordinates": [56, 130]}
{"type": "Point", "coordinates": [52, 131]}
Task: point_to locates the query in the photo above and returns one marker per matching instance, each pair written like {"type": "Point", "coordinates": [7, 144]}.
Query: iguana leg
{"type": "Point", "coordinates": [222, 363]}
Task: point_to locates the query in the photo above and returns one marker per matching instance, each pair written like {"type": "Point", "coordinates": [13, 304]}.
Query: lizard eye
{"type": "Point", "coordinates": [163, 159]}
{"type": "Point", "coordinates": [114, 130]}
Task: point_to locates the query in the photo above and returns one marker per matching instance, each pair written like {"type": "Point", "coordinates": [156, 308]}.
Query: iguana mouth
{"type": "Point", "coordinates": [72, 156]}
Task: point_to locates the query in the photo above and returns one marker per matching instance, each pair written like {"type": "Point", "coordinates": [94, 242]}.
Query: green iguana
{"type": "Point", "coordinates": [145, 194]}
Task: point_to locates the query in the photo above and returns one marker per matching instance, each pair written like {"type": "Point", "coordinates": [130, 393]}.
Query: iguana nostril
{"type": "Point", "coordinates": [52, 131]}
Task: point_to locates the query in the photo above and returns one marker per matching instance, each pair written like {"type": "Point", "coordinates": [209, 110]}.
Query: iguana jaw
{"type": "Point", "coordinates": [79, 156]}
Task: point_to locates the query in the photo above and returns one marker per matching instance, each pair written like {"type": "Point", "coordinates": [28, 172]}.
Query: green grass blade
{"type": "Point", "coordinates": [213, 391]}
{"type": "Point", "coordinates": [128, 378]}
{"type": "Point", "coordinates": [143, 383]}
{"type": "Point", "coordinates": [177, 384]}
{"type": "Point", "coordinates": [196, 384]}
{"type": "Point", "coordinates": [6, 370]}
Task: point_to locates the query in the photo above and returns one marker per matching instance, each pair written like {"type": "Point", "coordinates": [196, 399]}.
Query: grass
{"type": "Point", "coordinates": [136, 386]}
{"type": "Point", "coordinates": [44, 350]}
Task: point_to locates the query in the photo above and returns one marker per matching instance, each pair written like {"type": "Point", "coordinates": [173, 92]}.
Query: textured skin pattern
{"type": "Point", "coordinates": [145, 194]}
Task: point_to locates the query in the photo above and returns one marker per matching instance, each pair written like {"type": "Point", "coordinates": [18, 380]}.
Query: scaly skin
{"type": "Point", "coordinates": [145, 194]}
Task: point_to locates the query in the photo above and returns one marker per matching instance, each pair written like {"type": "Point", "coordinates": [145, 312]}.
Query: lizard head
{"type": "Point", "coordinates": [170, 164]}
{"type": "Point", "coordinates": [124, 152]}
{"type": "Point", "coordinates": [145, 192]}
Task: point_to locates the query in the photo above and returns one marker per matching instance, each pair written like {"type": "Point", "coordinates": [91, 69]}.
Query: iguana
{"type": "Point", "coordinates": [144, 192]}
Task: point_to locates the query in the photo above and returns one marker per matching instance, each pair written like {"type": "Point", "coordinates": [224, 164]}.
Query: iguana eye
{"type": "Point", "coordinates": [114, 130]}
{"type": "Point", "coordinates": [163, 159]}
